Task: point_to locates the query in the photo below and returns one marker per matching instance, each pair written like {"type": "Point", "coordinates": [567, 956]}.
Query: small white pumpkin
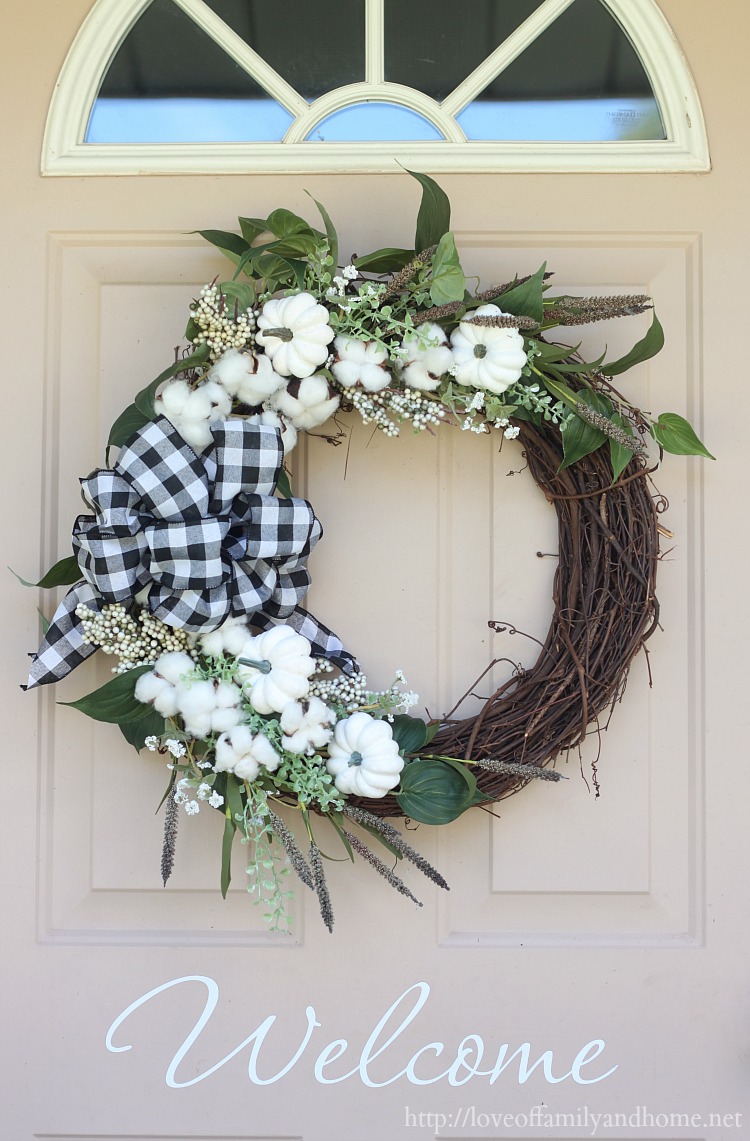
{"type": "Point", "coordinates": [274, 668]}
{"type": "Point", "coordinates": [360, 362]}
{"type": "Point", "coordinates": [363, 757]}
{"type": "Point", "coordinates": [485, 356]}
{"type": "Point", "coordinates": [295, 334]}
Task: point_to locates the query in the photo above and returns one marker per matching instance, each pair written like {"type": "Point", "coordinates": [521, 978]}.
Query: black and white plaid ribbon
{"type": "Point", "coordinates": [205, 535]}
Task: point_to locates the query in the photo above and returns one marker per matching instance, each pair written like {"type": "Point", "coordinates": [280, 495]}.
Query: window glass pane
{"type": "Point", "coordinates": [169, 82]}
{"type": "Point", "coordinates": [316, 45]}
{"type": "Point", "coordinates": [433, 44]}
{"type": "Point", "coordinates": [373, 122]}
{"type": "Point", "coordinates": [581, 80]}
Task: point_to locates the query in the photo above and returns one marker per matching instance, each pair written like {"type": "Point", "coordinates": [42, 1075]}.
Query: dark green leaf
{"type": "Point", "coordinates": [63, 573]}
{"type": "Point", "coordinates": [620, 456]}
{"type": "Point", "coordinates": [433, 792]}
{"type": "Point", "coordinates": [226, 855]}
{"type": "Point", "coordinates": [448, 281]}
{"type": "Point", "coordinates": [232, 245]}
{"type": "Point", "coordinates": [527, 299]}
{"type": "Point", "coordinates": [579, 438]}
{"type": "Point", "coordinates": [44, 621]}
{"type": "Point", "coordinates": [191, 330]}
{"type": "Point", "coordinates": [431, 731]}
{"type": "Point", "coordinates": [282, 223]}
{"type": "Point", "coordinates": [409, 733]}
{"type": "Point", "coordinates": [333, 239]}
{"type": "Point", "coordinates": [234, 797]}
{"type": "Point", "coordinates": [434, 218]}
{"type": "Point", "coordinates": [238, 293]}
{"type": "Point", "coordinates": [114, 701]}
{"type": "Point", "coordinates": [675, 435]}
{"type": "Point", "coordinates": [150, 725]}
{"type": "Point", "coordinates": [386, 260]}
{"type": "Point", "coordinates": [646, 348]}
{"type": "Point", "coordinates": [126, 424]}
{"type": "Point", "coordinates": [284, 485]}
{"type": "Point", "coordinates": [252, 228]}
{"type": "Point", "coordinates": [337, 820]}
{"type": "Point", "coordinates": [296, 245]}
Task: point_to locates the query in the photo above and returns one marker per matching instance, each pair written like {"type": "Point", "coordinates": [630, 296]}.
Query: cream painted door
{"type": "Point", "coordinates": [608, 934]}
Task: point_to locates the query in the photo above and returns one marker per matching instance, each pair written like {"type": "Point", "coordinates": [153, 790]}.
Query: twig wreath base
{"type": "Point", "coordinates": [605, 609]}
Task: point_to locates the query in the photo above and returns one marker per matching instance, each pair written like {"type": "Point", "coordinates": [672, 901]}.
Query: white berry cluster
{"type": "Point", "coordinates": [135, 641]}
{"type": "Point", "coordinates": [380, 408]}
{"type": "Point", "coordinates": [219, 326]}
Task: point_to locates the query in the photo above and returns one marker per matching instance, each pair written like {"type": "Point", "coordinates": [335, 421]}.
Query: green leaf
{"type": "Point", "coordinates": [675, 435]}
{"type": "Point", "coordinates": [150, 725]}
{"type": "Point", "coordinates": [296, 244]}
{"type": "Point", "coordinates": [646, 348]}
{"type": "Point", "coordinates": [433, 792]}
{"type": "Point", "coordinates": [114, 701]}
{"type": "Point", "coordinates": [620, 456]}
{"type": "Point", "coordinates": [63, 573]}
{"type": "Point", "coordinates": [282, 223]}
{"type": "Point", "coordinates": [333, 238]}
{"type": "Point", "coordinates": [284, 485]}
{"type": "Point", "coordinates": [409, 733]}
{"type": "Point", "coordinates": [234, 797]}
{"type": "Point", "coordinates": [389, 847]}
{"type": "Point", "coordinates": [579, 438]}
{"type": "Point", "coordinates": [252, 228]}
{"type": "Point", "coordinates": [337, 820]}
{"type": "Point", "coordinates": [238, 293]}
{"type": "Point", "coordinates": [126, 424]}
{"type": "Point", "coordinates": [44, 622]}
{"type": "Point", "coordinates": [527, 299]}
{"type": "Point", "coordinates": [226, 855]}
{"type": "Point", "coordinates": [231, 245]}
{"type": "Point", "coordinates": [448, 281]}
{"type": "Point", "coordinates": [434, 217]}
{"type": "Point", "coordinates": [389, 259]}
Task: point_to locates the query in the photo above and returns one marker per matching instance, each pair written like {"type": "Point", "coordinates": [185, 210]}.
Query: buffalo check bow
{"type": "Point", "coordinates": [204, 535]}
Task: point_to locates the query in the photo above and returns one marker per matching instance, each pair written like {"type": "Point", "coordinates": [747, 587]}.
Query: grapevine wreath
{"type": "Point", "coordinates": [191, 571]}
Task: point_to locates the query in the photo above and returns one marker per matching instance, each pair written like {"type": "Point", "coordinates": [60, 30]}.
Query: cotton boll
{"type": "Point", "coordinates": [230, 370]}
{"type": "Point", "coordinates": [288, 431]}
{"type": "Point", "coordinates": [307, 725]}
{"type": "Point", "coordinates": [360, 362]}
{"type": "Point", "coordinates": [424, 364]}
{"type": "Point", "coordinates": [259, 382]}
{"type": "Point", "coordinates": [246, 767]}
{"type": "Point", "coordinates": [227, 639]}
{"type": "Point", "coordinates": [157, 691]}
{"type": "Point", "coordinates": [231, 746]}
{"type": "Point", "coordinates": [172, 398]}
{"type": "Point", "coordinates": [227, 713]}
{"type": "Point", "coordinates": [174, 666]}
{"type": "Point", "coordinates": [197, 702]}
{"type": "Point", "coordinates": [264, 751]}
{"type": "Point", "coordinates": [311, 406]}
{"type": "Point", "coordinates": [208, 402]}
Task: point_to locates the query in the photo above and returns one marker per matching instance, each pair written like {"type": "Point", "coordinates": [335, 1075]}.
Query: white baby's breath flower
{"type": "Point", "coordinates": [215, 800]}
{"type": "Point", "coordinates": [192, 807]}
{"type": "Point", "coordinates": [151, 743]}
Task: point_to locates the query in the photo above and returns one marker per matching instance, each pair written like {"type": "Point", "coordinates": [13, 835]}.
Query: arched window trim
{"type": "Point", "coordinates": [64, 151]}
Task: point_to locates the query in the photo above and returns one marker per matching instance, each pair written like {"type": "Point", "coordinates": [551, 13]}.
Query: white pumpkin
{"type": "Point", "coordinates": [295, 334]}
{"type": "Point", "coordinates": [274, 668]}
{"type": "Point", "coordinates": [363, 757]}
{"type": "Point", "coordinates": [485, 356]}
{"type": "Point", "coordinates": [360, 362]}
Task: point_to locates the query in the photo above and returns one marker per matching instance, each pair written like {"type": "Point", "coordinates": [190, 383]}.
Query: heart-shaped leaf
{"type": "Point", "coordinates": [676, 435]}
{"type": "Point", "coordinates": [409, 733]}
{"type": "Point", "coordinates": [646, 348]}
{"type": "Point", "coordinates": [434, 792]}
{"type": "Point", "coordinates": [434, 217]}
{"type": "Point", "coordinates": [114, 701]}
{"type": "Point", "coordinates": [448, 281]}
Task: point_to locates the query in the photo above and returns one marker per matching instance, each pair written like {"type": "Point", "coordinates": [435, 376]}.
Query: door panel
{"type": "Point", "coordinates": [571, 918]}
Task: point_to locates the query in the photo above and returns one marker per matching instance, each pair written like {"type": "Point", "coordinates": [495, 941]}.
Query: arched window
{"type": "Point", "coordinates": [239, 85]}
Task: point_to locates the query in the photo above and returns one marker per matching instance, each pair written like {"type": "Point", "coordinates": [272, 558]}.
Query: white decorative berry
{"type": "Point", "coordinates": [295, 334]}
{"type": "Point", "coordinates": [486, 356]}
{"type": "Point", "coordinates": [363, 757]}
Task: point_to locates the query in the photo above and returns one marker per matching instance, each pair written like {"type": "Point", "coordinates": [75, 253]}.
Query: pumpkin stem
{"type": "Point", "coordinates": [355, 759]}
{"type": "Point", "coordinates": [264, 667]}
{"type": "Point", "coordinates": [282, 333]}
{"type": "Point", "coordinates": [480, 351]}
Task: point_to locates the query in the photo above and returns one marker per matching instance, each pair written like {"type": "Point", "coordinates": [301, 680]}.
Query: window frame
{"type": "Point", "coordinates": [64, 151]}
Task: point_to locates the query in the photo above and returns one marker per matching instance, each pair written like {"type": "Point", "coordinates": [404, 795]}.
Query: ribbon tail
{"type": "Point", "coordinates": [63, 647]}
{"type": "Point", "coordinates": [324, 643]}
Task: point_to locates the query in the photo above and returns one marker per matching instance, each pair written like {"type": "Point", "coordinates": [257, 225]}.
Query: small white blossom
{"type": "Point", "coordinates": [176, 748]}
{"type": "Point", "coordinates": [215, 800]}
{"type": "Point", "coordinates": [204, 791]}
{"type": "Point", "coordinates": [192, 807]}
{"type": "Point", "coordinates": [151, 743]}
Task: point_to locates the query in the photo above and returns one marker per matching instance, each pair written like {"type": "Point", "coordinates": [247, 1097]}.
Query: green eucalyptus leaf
{"type": "Point", "coordinates": [676, 435]}
{"type": "Point", "coordinates": [150, 725]}
{"type": "Point", "coordinates": [333, 239]}
{"type": "Point", "coordinates": [526, 299]}
{"type": "Point", "coordinates": [434, 217]}
{"type": "Point", "coordinates": [620, 456]}
{"type": "Point", "coordinates": [230, 829]}
{"type": "Point", "coordinates": [63, 573]}
{"type": "Point", "coordinates": [433, 792]}
{"type": "Point", "coordinates": [448, 281]}
{"type": "Point", "coordinates": [409, 733]}
{"type": "Point", "coordinates": [646, 348]}
{"type": "Point", "coordinates": [579, 438]}
{"type": "Point", "coordinates": [389, 259]}
{"type": "Point", "coordinates": [114, 701]}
